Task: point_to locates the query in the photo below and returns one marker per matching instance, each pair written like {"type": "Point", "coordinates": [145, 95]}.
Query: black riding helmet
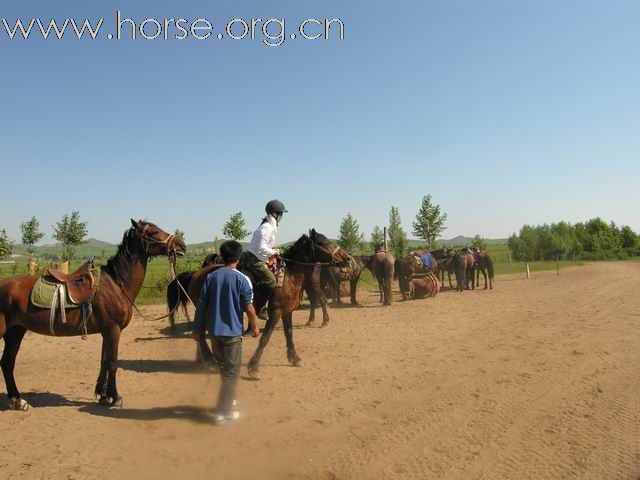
{"type": "Point", "coordinates": [274, 207]}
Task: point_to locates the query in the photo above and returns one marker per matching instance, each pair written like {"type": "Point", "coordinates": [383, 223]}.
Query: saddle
{"type": "Point", "coordinates": [79, 284]}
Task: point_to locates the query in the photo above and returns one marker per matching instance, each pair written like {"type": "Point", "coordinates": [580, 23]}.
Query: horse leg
{"type": "Point", "coordinates": [477, 277]}
{"type": "Point", "coordinates": [12, 340]}
{"type": "Point", "coordinates": [312, 307]}
{"type": "Point", "coordinates": [484, 274]}
{"type": "Point", "coordinates": [254, 363]}
{"type": "Point", "coordinates": [108, 390]}
{"type": "Point", "coordinates": [449, 275]}
{"type": "Point", "coordinates": [292, 355]}
{"type": "Point", "coordinates": [354, 287]}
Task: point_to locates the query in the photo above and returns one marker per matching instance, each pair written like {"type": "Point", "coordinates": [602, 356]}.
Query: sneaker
{"type": "Point", "coordinates": [223, 419]}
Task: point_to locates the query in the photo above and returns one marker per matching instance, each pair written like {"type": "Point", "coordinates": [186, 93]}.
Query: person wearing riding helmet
{"type": "Point", "coordinates": [261, 252]}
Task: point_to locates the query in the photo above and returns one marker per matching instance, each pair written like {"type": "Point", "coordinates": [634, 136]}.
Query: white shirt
{"type": "Point", "coordinates": [263, 241]}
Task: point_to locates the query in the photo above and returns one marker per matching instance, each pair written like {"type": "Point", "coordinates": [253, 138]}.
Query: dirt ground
{"type": "Point", "coordinates": [537, 379]}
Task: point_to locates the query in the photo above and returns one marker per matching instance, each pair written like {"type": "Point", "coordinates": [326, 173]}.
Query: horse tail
{"type": "Point", "coordinates": [396, 269]}
{"type": "Point", "coordinates": [176, 295]}
{"type": "Point", "coordinates": [490, 266]}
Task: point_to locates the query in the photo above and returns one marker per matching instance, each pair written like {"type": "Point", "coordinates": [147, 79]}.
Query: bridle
{"type": "Point", "coordinates": [335, 259]}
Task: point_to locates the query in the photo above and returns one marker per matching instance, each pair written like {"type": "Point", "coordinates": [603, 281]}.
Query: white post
{"type": "Point", "coordinates": [385, 238]}
{"type": "Point", "coordinates": [528, 272]}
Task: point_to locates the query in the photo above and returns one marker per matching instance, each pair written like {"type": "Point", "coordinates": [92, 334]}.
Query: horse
{"type": "Point", "coordinates": [302, 270]}
{"type": "Point", "coordinates": [484, 263]}
{"type": "Point", "coordinates": [411, 265]}
{"type": "Point", "coordinates": [463, 265]}
{"type": "Point", "coordinates": [333, 276]}
{"type": "Point", "coordinates": [445, 263]}
{"type": "Point", "coordinates": [176, 288]}
{"type": "Point", "coordinates": [381, 265]}
{"type": "Point", "coordinates": [425, 287]}
{"type": "Point", "coordinates": [120, 282]}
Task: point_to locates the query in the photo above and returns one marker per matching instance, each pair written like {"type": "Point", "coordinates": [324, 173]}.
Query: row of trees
{"type": "Point", "coordinates": [428, 225]}
{"type": "Point", "coordinates": [594, 239]}
{"type": "Point", "coordinates": [69, 231]}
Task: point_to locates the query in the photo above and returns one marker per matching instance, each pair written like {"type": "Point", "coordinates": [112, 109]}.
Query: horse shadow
{"type": "Point", "coordinates": [180, 330]}
{"type": "Point", "coordinates": [44, 399]}
{"type": "Point", "coordinates": [175, 412]}
{"type": "Point", "coordinates": [163, 366]}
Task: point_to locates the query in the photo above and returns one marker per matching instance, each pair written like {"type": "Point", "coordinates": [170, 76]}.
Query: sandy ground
{"type": "Point", "coordinates": [537, 379]}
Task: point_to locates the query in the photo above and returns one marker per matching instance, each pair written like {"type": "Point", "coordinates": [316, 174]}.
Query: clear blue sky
{"type": "Point", "coordinates": [506, 112]}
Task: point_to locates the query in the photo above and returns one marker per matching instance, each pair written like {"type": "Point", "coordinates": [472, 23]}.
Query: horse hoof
{"type": "Point", "coordinates": [296, 362]}
{"type": "Point", "coordinates": [19, 404]}
{"type": "Point", "coordinates": [324, 324]}
{"type": "Point", "coordinates": [254, 374]}
{"type": "Point", "coordinates": [117, 402]}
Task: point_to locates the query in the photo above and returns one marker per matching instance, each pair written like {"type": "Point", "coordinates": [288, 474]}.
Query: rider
{"type": "Point", "coordinates": [262, 252]}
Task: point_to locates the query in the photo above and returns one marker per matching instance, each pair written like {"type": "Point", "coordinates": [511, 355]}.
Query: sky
{"type": "Point", "coordinates": [507, 112]}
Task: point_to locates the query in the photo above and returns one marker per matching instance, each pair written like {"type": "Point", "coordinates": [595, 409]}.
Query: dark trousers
{"type": "Point", "coordinates": [227, 352]}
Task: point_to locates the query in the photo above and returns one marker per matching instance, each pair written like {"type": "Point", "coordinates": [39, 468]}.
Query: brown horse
{"type": "Point", "coordinates": [333, 276]}
{"type": "Point", "coordinates": [425, 287]}
{"type": "Point", "coordinates": [409, 266]}
{"type": "Point", "coordinates": [120, 282]}
{"type": "Point", "coordinates": [463, 265]}
{"type": "Point", "coordinates": [382, 266]}
{"type": "Point", "coordinates": [176, 288]}
{"type": "Point", "coordinates": [445, 263]}
{"type": "Point", "coordinates": [484, 264]}
{"type": "Point", "coordinates": [302, 259]}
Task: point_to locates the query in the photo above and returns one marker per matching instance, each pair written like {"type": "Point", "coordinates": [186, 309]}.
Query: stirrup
{"type": "Point", "coordinates": [19, 404]}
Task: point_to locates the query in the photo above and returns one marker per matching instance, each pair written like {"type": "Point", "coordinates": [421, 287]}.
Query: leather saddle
{"type": "Point", "coordinates": [80, 284]}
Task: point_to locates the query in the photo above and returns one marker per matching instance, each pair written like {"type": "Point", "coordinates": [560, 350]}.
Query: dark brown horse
{"type": "Point", "coordinates": [424, 287]}
{"type": "Point", "coordinates": [445, 263]}
{"type": "Point", "coordinates": [333, 276]}
{"type": "Point", "coordinates": [382, 266]}
{"type": "Point", "coordinates": [176, 288]}
{"type": "Point", "coordinates": [413, 265]}
{"type": "Point", "coordinates": [463, 265]}
{"type": "Point", "coordinates": [484, 264]}
{"type": "Point", "coordinates": [302, 259]}
{"type": "Point", "coordinates": [119, 285]}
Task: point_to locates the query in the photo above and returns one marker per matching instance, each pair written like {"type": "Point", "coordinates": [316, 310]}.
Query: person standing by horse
{"type": "Point", "coordinates": [225, 294]}
{"type": "Point", "coordinates": [263, 252]}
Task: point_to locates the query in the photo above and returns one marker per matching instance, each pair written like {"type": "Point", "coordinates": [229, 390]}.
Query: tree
{"type": "Point", "coordinates": [6, 245]}
{"type": "Point", "coordinates": [179, 233]}
{"type": "Point", "coordinates": [629, 237]}
{"type": "Point", "coordinates": [350, 237]}
{"type": "Point", "coordinates": [479, 243]}
{"type": "Point", "coordinates": [70, 232]}
{"type": "Point", "coordinates": [31, 234]}
{"type": "Point", "coordinates": [234, 228]}
{"type": "Point", "coordinates": [397, 236]}
{"type": "Point", "coordinates": [429, 222]}
{"type": "Point", "coordinates": [377, 237]}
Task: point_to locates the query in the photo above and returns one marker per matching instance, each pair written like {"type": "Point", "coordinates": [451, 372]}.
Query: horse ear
{"type": "Point", "coordinates": [135, 224]}
{"type": "Point", "coordinates": [312, 233]}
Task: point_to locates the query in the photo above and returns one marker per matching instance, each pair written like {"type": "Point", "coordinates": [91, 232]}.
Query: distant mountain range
{"type": "Point", "coordinates": [101, 249]}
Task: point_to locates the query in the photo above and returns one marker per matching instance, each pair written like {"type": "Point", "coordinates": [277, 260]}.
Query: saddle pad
{"type": "Point", "coordinates": [426, 259]}
{"type": "Point", "coordinates": [42, 295]}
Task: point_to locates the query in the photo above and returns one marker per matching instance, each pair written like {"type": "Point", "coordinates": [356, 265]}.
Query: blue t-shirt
{"type": "Point", "coordinates": [220, 307]}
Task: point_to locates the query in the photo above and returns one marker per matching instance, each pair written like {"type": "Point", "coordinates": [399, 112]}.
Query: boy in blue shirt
{"type": "Point", "coordinates": [225, 294]}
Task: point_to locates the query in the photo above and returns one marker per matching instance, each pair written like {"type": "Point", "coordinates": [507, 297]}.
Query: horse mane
{"type": "Point", "coordinates": [296, 249]}
{"type": "Point", "coordinates": [118, 265]}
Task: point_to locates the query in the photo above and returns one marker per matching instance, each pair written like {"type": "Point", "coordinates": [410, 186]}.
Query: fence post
{"type": "Point", "coordinates": [385, 238]}
{"type": "Point", "coordinates": [528, 271]}
{"type": "Point", "coordinates": [557, 265]}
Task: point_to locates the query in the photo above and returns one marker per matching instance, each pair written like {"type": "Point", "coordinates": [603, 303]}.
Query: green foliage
{"type": "Point", "coordinates": [6, 245]}
{"type": "Point", "coordinates": [377, 237]}
{"type": "Point", "coordinates": [430, 222]}
{"type": "Point", "coordinates": [350, 237]}
{"type": "Point", "coordinates": [31, 234]}
{"type": "Point", "coordinates": [235, 227]}
{"type": "Point", "coordinates": [479, 243]}
{"type": "Point", "coordinates": [592, 240]}
{"type": "Point", "coordinates": [630, 238]}
{"type": "Point", "coordinates": [70, 232]}
{"type": "Point", "coordinates": [397, 237]}
{"type": "Point", "coordinates": [179, 233]}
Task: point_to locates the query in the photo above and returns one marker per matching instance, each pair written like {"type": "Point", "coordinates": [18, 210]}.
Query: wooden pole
{"type": "Point", "coordinates": [385, 238]}
{"type": "Point", "coordinates": [528, 271]}
{"type": "Point", "coordinates": [557, 264]}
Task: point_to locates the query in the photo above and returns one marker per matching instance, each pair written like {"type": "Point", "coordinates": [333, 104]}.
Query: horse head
{"type": "Point", "coordinates": [156, 241]}
{"type": "Point", "coordinates": [330, 251]}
